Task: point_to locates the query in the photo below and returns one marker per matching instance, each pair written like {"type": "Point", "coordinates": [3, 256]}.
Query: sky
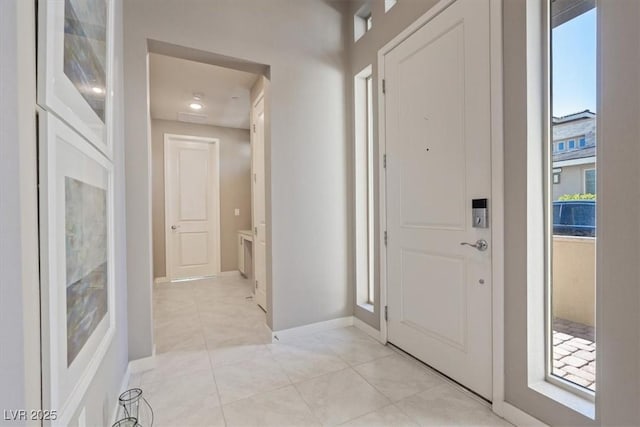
{"type": "Point", "coordinates": [574, 65]}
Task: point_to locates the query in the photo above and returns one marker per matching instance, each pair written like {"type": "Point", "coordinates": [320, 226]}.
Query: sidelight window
{"type": "Point", "coordinates": [571, 204]}
{"type": "Point", "coordinates": [364, 191]}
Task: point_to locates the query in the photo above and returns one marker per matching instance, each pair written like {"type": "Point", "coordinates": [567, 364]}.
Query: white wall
{"type": "Point", "coordinates": [303, 43]}
{"type": "Point", "coordinates": [19, 285]}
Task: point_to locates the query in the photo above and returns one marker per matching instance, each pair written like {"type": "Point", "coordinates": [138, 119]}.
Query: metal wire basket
{"type": "Point", "coordinates": [133, 406]}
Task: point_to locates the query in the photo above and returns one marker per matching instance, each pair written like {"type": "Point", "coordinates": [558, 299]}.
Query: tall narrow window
{"type": "Point", "coordinates": [364, 202]}
{"type": "Point", "coordinates": [571, 202]}
{"type": "Point", "coordinates": [370, 223]}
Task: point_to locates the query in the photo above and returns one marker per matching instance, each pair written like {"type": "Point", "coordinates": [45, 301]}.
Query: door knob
{"type": "Point", "coordinates": [480, 245]}
{"type": "Point", "coordinates": [174, 227]}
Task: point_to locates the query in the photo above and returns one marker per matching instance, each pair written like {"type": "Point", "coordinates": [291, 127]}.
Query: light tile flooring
{"type": "Point", "coordinates": [216, 366]}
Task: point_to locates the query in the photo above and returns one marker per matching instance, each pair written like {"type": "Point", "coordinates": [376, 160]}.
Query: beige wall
{"type": "Point", "coordinates": [20, 381]}
{"type": "Point", "coordinates": [571, 180]}
{"type": "Point", "coordinates": [574, 279]}
{"type": "Point", "coordinates": [235, 187]}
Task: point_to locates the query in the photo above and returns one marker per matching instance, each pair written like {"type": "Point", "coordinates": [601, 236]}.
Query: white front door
{"type": "Point", "coordinates": [192, 206]}
{"type": "Point", "coordinates": [437, 119]}
{"type": "Point", "coordinates": [259, 204]}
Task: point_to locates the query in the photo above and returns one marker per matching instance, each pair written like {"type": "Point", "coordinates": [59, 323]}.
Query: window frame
{"type": "Point", "coordinates": [584, 180]}
{"type": "Point", "coordinates": [364, 190]}
{"type": "Point", "coordinates": [547, 184]}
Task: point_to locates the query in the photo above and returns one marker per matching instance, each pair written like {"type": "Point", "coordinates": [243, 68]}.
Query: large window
{"type": "Point", "coordinates": [571, 207]}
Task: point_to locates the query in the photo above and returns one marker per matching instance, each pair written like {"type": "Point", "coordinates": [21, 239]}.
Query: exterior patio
{"type": "Point", "coordinates": [574, 352]}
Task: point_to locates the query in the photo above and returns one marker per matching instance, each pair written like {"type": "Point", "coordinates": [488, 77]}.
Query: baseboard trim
{"type": "Point", "coordinates": [516, 416]}
{"type": "Point", "coordinates": [367, 329]}
{"type": "Point", "coordinates": [141, 365]}
{"type": "Point", "coordinates": [232, 273]}
{"type": "Point", "coordinates": [312, 328]}
{"type": "Point", "coordinates": [161, 280]}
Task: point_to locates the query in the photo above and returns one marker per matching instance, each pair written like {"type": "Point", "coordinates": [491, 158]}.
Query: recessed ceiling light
{"type": "Point", "coordinates": [97, 89]}
{"type": "Point", "coordinates": [195, 106]}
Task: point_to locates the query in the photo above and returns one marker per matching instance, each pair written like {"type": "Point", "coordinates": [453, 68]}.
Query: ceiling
{"type": "Point", "coordinates": [225, 92]}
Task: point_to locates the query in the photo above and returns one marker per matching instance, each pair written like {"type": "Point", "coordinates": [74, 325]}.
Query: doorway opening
{"type": "Point", "coordinates": [207, 123]}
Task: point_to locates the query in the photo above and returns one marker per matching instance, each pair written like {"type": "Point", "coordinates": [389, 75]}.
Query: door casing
{"type": "Point", "coordinates": [258, 199]}
{"type": "Point", "coordinates": [215, 144]}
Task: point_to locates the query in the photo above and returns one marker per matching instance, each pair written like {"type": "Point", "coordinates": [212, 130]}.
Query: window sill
{"type": "Point", "coordinates": [571, 400]}
{"type": "Point", "coordinates": [366, 306]}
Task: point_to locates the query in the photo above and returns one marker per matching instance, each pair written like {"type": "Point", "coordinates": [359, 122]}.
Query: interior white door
{"type": "Point", "coordinates": [192, 207]}
{"type": "Point", "coordinates": [437, 119]}
{"type": "Point", "coordinates": [259, 204]}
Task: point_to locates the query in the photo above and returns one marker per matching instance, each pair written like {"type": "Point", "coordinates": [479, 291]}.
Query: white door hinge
{"type": "Point", "coordinates": [384, 86]}
{"type": "Point", "coordinates": [386, 313]}
{"type": "Point", "coordinates": [384, 161]}
{"type": "Point", "coordinates": [385, 237]}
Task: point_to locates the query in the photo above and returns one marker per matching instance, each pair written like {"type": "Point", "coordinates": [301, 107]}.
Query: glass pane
{"type": "Point", "coordinates": [573, 193]}
{"type": "Point", "coordinates": [370, 207]}
{"type": "Point", "coordinates": [590, 181]}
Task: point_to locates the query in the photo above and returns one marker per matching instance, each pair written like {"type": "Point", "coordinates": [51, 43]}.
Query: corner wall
{"type": "Point", "coordinates": [19, 281]}
{"type": "Point", "coordinates": [235, 187]}
{"type": "Point", "coordinates": [20, 383]}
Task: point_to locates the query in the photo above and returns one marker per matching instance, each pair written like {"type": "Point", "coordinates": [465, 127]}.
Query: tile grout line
{"type": "Point", "coordinates": [213, 372]}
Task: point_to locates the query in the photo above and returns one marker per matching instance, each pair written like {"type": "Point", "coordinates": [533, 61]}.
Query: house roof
{"type": "Point", "coordinates": [577, 125]}
{"type": "Point", "coordinates": [586, 114]}
{"type": "Point", "coordinates": [575, 154]}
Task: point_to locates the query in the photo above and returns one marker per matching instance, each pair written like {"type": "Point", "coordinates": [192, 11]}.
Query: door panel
{"type": "Point", "coordinates": [259, 205]}
{"type": "Point", "coordinates": [192, 207]}
{"type": "Point", "coordinates": [437, 113]}
{"type": "Point", "coordinates": [435, 151]}
{"type": "Point", "coordinates": [193, 183]}
{"type": "Point", "coordinates": [193, 248]}
{"type": "Point", "coordinates": [443, 318]}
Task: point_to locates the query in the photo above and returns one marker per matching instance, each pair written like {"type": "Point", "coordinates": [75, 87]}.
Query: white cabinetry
{"type": "Point", "coordinates": [245, 255]}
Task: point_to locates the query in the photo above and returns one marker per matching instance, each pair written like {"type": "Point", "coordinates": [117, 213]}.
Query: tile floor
{"type": "Point", "coordinates": [216, 366]}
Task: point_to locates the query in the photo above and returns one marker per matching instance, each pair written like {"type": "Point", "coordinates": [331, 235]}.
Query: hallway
{"type": "Point", "coordinates": [216, 366]}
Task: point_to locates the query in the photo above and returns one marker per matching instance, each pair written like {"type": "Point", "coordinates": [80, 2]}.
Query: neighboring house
{"type": "Point", "coordinates": [574, 154]}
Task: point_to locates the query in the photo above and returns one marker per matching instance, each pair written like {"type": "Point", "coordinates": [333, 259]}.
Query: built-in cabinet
{"type": "Point", "coordinates": [245, 252]}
